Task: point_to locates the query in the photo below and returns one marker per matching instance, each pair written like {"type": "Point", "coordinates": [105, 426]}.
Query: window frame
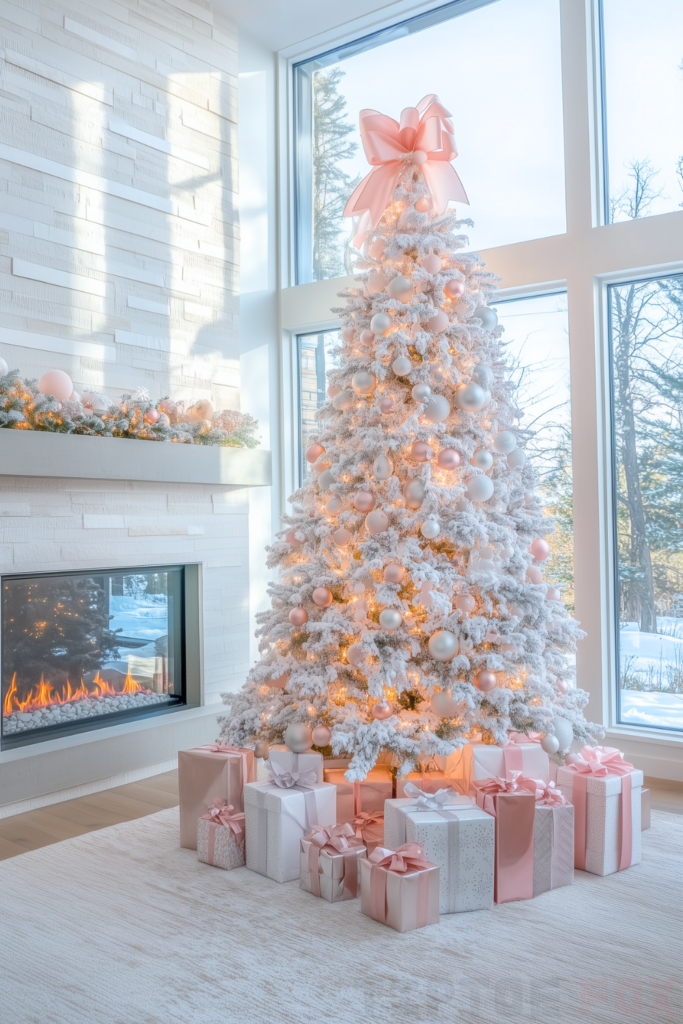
{"type": "Point", "coordinates": [582, 262]}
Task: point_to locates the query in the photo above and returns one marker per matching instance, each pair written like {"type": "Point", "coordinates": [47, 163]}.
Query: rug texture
{"type": "Point", "coordinates": [123, 927]}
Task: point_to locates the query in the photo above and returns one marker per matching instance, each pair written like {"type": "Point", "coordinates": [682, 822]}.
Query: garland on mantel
{"type": "Point", "coordinates": [23, 406]}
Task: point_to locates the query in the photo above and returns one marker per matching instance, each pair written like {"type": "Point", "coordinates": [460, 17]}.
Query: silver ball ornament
{"type": "Point", "coordinates": [334, 505]}
{"type": "Point", "coordinates": [363, 382]}
{"type": "Point", "coordinates": [564, 733]}
{"type": "Point", "coordinates": [389, 618]}
{"type": "Point", "coordinates": [382, 468]}
{"type": "Point", "coordinates": [487, 317]}
{"type": "Point", "coordinates": [550, 743]}
{"type": "Point", "coordinates": [430, 529]}
{"type": "Point", "coordinates": [437, 409]}
{"type": "Point", "coordinates": [414, 493]}
{"type": "Point", "coordinates": [380, 324]}
{"type": "Point", "coordinates": [471, 398]}
{"type": "Point", "coordinates": [505, 442]}
{"type": "Point", "coordinates": [401, 366]}
{"type": "Point", "coordinates": [298, 738]}
{"type": "Point", "coordinates": [482, 459]}
{"type": "Point", "coordinates": [400, 288]}
{"type": "Point", "coordinates": [443, 645]}
{"type": "Point", "coordinates": [421, 392]}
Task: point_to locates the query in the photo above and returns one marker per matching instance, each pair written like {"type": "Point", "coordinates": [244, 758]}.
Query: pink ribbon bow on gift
{"type": "Point", "coordinates": [409, 857]}
{"type": "Point", "coordinates": [600, 761]}
{"type": "Point", "coordinates": [339, 837]}
{"type": "Point", "coordinates": [286, 780]}
{"type": "Point", "coordinates": [222, 813]}
{"type": "Point", "coordinates": [551, 796]}
{"type": "Point", "coordinates": [425, 137]}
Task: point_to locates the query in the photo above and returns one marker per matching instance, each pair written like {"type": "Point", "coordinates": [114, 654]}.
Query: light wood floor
{"type": "Point", "coordinates": [33, 829]}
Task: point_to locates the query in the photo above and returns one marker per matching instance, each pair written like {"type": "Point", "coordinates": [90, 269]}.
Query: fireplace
{"type": "Point", "coordinates": [84, 650]}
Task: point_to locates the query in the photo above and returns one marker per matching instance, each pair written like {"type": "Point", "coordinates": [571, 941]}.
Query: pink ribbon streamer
{"type": "Point", "coordinates": [406, 859]}
{"type": "Point", "coordinates": [599, 762]}
{"type": "Point", "coordinates": [424, 135]}
{"type": "Point", "coordinates": [337, 839]}
{"type": "Point", "coordinates": [222, 813]}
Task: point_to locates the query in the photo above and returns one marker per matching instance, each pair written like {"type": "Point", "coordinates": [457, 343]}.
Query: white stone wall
{"type": "Point", "coordinates": [118, 181]}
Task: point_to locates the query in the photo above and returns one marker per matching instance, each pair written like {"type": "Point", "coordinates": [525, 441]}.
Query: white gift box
{"type": "Point", "coordinates": [294, 763]}
{"type": "Point", "coordinates": [491, 761]}
{"type": "Point", "coordinates": [460, 839]}
{"type": "Point", "coordinates": [276, 820]}
{"type": "Point", "coordinates": [604, 818]}
{"type": "Point", "coordinates": [335, 886]}
{"type": "Point", "coordinates": [553, 847]}
{"type": "Point", "coordinates": [217, 845]}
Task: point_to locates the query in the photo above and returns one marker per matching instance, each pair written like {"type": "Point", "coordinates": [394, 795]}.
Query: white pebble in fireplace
{"type": "Point", "coordinates": [68, 714]}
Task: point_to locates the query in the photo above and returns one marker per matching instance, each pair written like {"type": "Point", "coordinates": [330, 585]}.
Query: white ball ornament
{"type": "Point", "coordinates": [344, 400]}
{"type": "Point", "coordinates": [377, 282]}
{"type": "Point", "coordinates": [380, 324]}
{"type": "Point", "coordinates": [482, 459]}
{"type": "Point", "coordinates": [553, 594]}
{"type": "Point", "coordinates": [471, 398]}
{"type": "Point", "coordinates": [376, 522]}
{"type": "Point", "coordinates": [421, 392]}
{"type": "Point", "coordinates": [389, 618]}
{"type": "Point", "coordinates": [431, 263]}
{"type": "Point", "coordinates": [507, 551]}
{"type": "Point", "coordinates": [487, 317]}
{"type": "Point", "coordinates": [414, 493]}
{"type": "Point", "coordinates": [401, 366]}
{"type": "Point", "coordinates": [382, 468]}
{"type": "Point", "coordinates": [334, 505]}
{"type": "Point", "coordinates": [443, 645]}
{"type": "Point", "coordinates": [463, 505]}
{"type": "Point", "coordinates": [430, 529]}
{"type": "Point", "coordinates": [564, 733]}
{"type": "Point", "coordinates": [325, 480]}
{"type": "Point", "coordinates": [56, 383]}
{"type": "Point", "coordinates": [400, 288]}
{"type": "Point", "coordinates": [443, 704]}
{"type": "Point", "coordinates": [363, 382]}
{"type": "Point", "coordinates": [298, 738]}
{"type": "Point", "coordinates": [483, 375]}
{"type": "Point", "coordinates": [4, 368]}
{"type": "Point", "coordinates": [341, 537]}
{"type": "Point", "coordinates": [516, 459]}
{"type": "Point", "coordinates": [355, 655]}
{"type": "Point", "coordinates": [505, 442]}
{"type": "Point", "coordinates": [437, 409]}
{"type": "Point", "coordinates": [479, 488]}
{"type": "Point", "coordinates": [347, 332]}
{"type": "Point", "coordinates": [550, 743]}
{"type": "Point", "coordinates": [438, 322]}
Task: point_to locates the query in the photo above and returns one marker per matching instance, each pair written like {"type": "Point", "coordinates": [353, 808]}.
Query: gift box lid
{"type": "Point", "coordinates": [598, 785]}
{"type": "Point", "coordinates": [275, 796]}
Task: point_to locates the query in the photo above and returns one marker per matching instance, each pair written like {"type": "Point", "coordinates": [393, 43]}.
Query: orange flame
{"type": "Point", "coordinates": [45, 695]}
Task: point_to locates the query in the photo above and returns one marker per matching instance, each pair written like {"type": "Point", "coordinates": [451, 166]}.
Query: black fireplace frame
{"type": "Point", "coordinates": [190, 643]}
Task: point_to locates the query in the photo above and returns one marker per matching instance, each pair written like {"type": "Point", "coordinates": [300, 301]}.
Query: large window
{"type": "Point", "coordinates": [646, 322]}
{"type": "Point", "coordinates": [642, 107]}
{"type": "Point", "coordinates": [498, 70]}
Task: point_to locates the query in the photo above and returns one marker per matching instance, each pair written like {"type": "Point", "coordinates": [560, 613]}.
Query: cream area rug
{"type": "Point", "coordinates": [123, 927]}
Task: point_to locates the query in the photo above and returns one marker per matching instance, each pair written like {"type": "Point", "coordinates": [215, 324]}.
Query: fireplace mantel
{"type": "Point", "coordinates": [37, 453]}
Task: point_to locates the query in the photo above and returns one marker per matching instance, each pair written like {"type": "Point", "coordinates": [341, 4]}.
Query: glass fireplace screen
{"type": "Point", "coordinates": [79, 648]}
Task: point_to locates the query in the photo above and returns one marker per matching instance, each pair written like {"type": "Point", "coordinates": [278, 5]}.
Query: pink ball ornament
{"type": "Point", "coordinates": [341, 537]}
{"type": "Point", "coordinates": [561, 686]}
{"type": "Point", "coordinates": [333, 391]}
{"type": "Point", "coordinates": [421, 451]}
{"type": "Point", "coordinates": [423, 205]}
{"type": "Point", "coordinates": [347, 332]}
{"type": "Point", "coordinates": [394, 573]}
{"type": "Point", "coordinates": [485, 681]}
{"type": "Point", "coordinates": [151, 416]}
{"type": "Point", "coordinates": [386, 405]}
{"type": "Point", "coordinates": [380, 712]}
{"type": "Point", "coordinates": [431, 263]}
{"type": "Point", "coordinates": [364, 501]}
{"type": "Point", "coordinates": [168, 406]}
{"type": "Point", "coordinates": [376, 522]}
{"type": "Point", "coordinates": [355, 655]}
{"type": "Point", "coordinates": [553, 594]}
{"type": "Point", "coordinates": [448, 458]}
{"type": "Point", "coordinates": [298, 616]}
{"type": "Point", "coordinates": [376, 248]}
{"type": "Point", "coordinates": [292, 539]}
{"type": "Point", "coordinates": [56, 383]}
{"type": "Point", "coordinates": [465, 602]}
{"type": "Point", "coordinates": [313, 452]}
{"type": "Point", "coordinates": [204, 410]}
{"type": "Point", "coordinates": [455, 289]}
{"type": "Point", "coordinates": [534, 575]}
{"type": "Point", "coordinates": [367, 337]}
{"type": "Point", "coordinates": [438, 322]}
{"type": "Point", "coordinates": [321, 736]}
{"type": "Point", "coordinates": [322, 597]}
{"type": "Point", "coordinates": [321, 466]}
{"type": "Point", "coordinates": [540, 549]}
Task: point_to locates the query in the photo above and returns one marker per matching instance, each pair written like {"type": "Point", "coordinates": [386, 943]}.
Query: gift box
{"type": "Point", "coordinates": [278, 815]}
{"type": "Point", "coordinates": [355, 797]}
{"type": "Point", "coordinates": [294, 763]}
{"type": "Point", "coordinates": [457, 836]}
{"type": "Point", "coordinates": [490, 761]}
{"type": "Point", "coordinates": [328, 865]}
{"type": "Point", "coordinates": [427, 782]}
{"type": "Point", "coordinates": [513, 807]}
{"type": "Point", "coordinates": [606, 793]}
{"type": "Point", "coordinates": [553, 846]}
{"type": "Point", "coordinates": [215, 770]}
{"type": "Point", "coordinates": [369, 828]}
{"type": "Point", "coordinates": [400, 888]}
{"type": "Point", "coordinates": [645, 820]}
{"type": "Point", "coordinates": [220, 837]}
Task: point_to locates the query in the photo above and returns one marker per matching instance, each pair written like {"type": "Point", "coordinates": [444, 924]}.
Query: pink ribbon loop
{"type": "Point", "coordinates": [408, 857]}
{"type": "Point", "coordinates": [551, 796]}
{"type": "Point", "coordinates": [425, 136]}
{"type": "Point", "coordinates": [339, 837]}
{"type": "Point", "coordinates": [601, 761]}
{"type": "Point", "coordinates": [222, 813]}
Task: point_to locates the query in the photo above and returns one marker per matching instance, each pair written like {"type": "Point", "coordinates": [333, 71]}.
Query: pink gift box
{"type": "Point", "coordinates": [355, 797]}
{"type": "Point", "coordinates": [403, 900]}
{"type": "Point", "coordinates": [214, 771]}
{"type": "Point", "coordinates": [369, 829]}
{"type": "Point", "coordinates": [514, 852]}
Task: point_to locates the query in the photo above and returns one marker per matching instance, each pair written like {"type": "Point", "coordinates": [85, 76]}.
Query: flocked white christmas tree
{"type": "Point", "coordinates": [410, 612]}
